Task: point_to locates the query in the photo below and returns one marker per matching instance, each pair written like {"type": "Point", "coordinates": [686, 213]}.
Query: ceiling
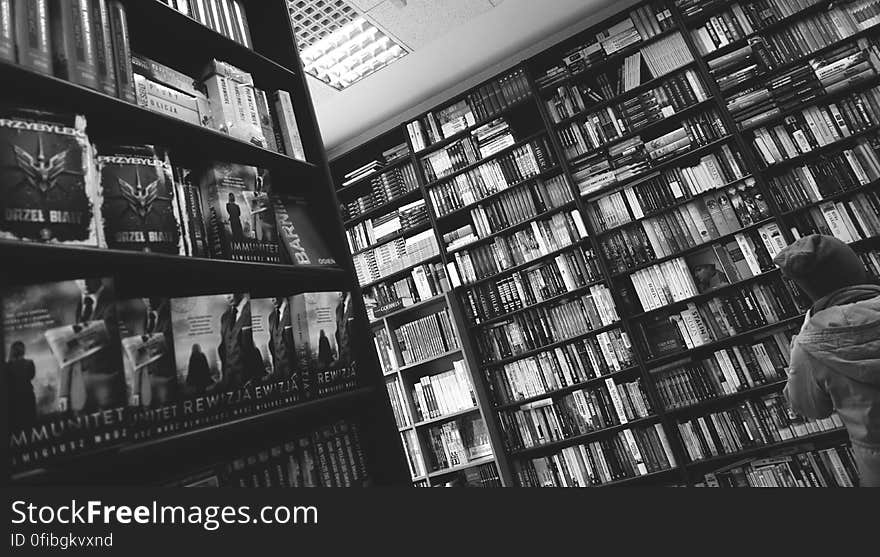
{"type": "Point", "coordinates": [454, 45]}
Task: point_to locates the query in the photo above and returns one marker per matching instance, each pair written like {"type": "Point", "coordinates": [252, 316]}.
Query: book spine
{"type": "Point", "coordinates": [32, 35]}
{"type": "Point", "coordinates": [73, 42]}
{"type": "Point", "coordinates": [287, 122]}
{"type": "Point", "coordinates": [121, 51]}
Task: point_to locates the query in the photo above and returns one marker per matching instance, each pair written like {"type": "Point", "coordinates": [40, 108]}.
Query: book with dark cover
{"type": "Point", "coordinates": [662, 336]}
{"type": "Point", "coordinates": [63, 369]}
{"type": "Point", "coordinates": [213, 343]}
{"type": "Point", "coordinates": [190, 199]}
{"type": "Point", "coordinates": [32, 36]}
{"type": "Point", "coordinates": [148, 352]}
{"type": "Point", "coordinates": [48, 186]}
{"type": "Point", "coordinates": [138, 207]}
{"type": "Point", "coordinates": [7, 32]}
{"type": "Point", "coordinates": [322, 338]}
{"type": "Point", "coordinates": [273, 338]}
{"type": "Point", "coordinates": [238, 215]}
{"type": "Point", "coordinates": [121, 51]}
{"type": "Point", "coordinates": [73, 42]}
{"type": "Point", "coordinates": [301, 242]}
{"type": "Point", "coordinates": [103, 35]}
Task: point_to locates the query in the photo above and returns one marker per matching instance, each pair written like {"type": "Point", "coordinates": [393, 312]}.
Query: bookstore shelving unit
{"type": "Point", "coordinates": [180, 42]}
{"type": "Point", "coordinates": [536, 116]}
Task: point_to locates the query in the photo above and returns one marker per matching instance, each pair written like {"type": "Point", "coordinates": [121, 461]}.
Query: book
{"type": "Point", "coordinates": [64, 364]}
{"type": "Point", "coordinates": [33, 38]}
{"type": "Point", "coordinates": [285, 116]}
{"type": "Point", "coordinates": [240, 219]}
{"type": "Point", "coordinates": [301, 244]}
{"type": "Point", "coordinates": [105, 64]}
{"type": "Point", "coordinates": [7, 34]}
{"type": "Point", "coordinates": [139, 208]}
{"type": "Point", "coordinates": [48, 182]}
{"type": "Point", "coordinates": [73, 42]}
{"type": "Point", "coordinates": [272, 325]}
{"type": "Point", "coordinates": [322, 338]}
{"type": "Point", "coordinates": [125, 89]}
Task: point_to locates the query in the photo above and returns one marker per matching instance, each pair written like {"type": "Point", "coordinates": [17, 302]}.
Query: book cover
{"type": "Point", "coordinates": [273, 336]}
{"type": "Point", "coordinates": [103, 36]}
{"type": "Point", "coordinates": [32, 36]}
{"type": "Point", "coordinates": [301, 242]}
{"type": "Point", "coordinates": [707, 271]}
{"type": "Point", "coordinates": [121, 51]}
{"type": "Point", "coordinates": [73, 42]}
{"type": "Point", "coordinates": [239, 217]}
{"type": "Point", "coordinates": [321, 334]}
{"type": "Point", "coordinates": [48, 186]}
{"type": "Point", "coordinates": [138, 199]}
{"type": "Point", "coordinates": [662, 336]}
{"type": "Point", "coordinates": [147, 343]}
{"type": "Point", "coordinates": [7, 34]}
{"type": "Point", "coordinates": [213, 343]}
{"type": "Point", "coordinates": [64, 369]}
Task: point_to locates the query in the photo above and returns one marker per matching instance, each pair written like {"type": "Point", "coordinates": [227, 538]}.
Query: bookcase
{"type": "Point", "coordinates": [607, 212]}
{"type": "Point", "coordinates": [172, 38]}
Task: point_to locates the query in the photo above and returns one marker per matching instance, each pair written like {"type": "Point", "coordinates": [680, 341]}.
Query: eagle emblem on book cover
{"type": "Point", "coordinates": [41, 171]}
{"type": "Point", "coordinates": [140, 198]}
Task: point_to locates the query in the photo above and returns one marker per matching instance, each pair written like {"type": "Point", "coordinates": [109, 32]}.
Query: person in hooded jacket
{"type": "Point", "coordinates": [835, 358]}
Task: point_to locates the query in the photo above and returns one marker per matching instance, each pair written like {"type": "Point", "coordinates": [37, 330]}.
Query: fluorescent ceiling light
{"type": "Point", "coordinates": [337, 45]}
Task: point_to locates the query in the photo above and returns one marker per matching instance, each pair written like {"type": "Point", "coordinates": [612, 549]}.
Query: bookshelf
{"type": "Point", "coordinates": [721, 162]}
{"type": "Point", "coordinates": [171, 38]}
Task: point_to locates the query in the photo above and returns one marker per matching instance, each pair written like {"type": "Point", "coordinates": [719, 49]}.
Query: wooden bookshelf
{"type": "Point", "coordinates": [171, 38]}
{"type": "Point", "coordinates": [683, 472]}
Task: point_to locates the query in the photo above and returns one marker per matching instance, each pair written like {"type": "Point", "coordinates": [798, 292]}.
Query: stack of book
{"type": "Point", "coordinates": [458, 442]}
{"type": "Point", "coordinates": [685, 226]}
{"type": "Point", "coordinates": [511, 208]}
{"type": "Point", "coordinates": [832, 467]}
{"type": "Point", "coordinates": [627, 454]}
{"type": "Point", "coordinates": [389, 156]}
{"type": "Point", "coordinates": [384, 188]}
{"type": "Point", "coordinates": [500, 173]}
{"type": "Point", "coordinates": [484, 475]}
{"type": "Point", "coordinates": [390, 258]}
{"type": "Point", "coordinates": [374, 231]}
{"type": "Point", "coordinates": [413, 453]}
{"type": "Point", "coordinates": [442, 394]}
{"type": "Point", "coordinates": [493, 137]}
{"type": "Point", "coordinates": [540, 239]}
{"type": "Point", "coordinates": [424, 282]}
{"type": "Point", "coordinates": [725, 372]}
{"type": "Point", "coordinates": [543, 326]}
{"type": "Point", "coordinates": [577, 413]}
{"type": "Point", "coordinates": [480, 105]}
{"type": "Point", "coordinates": [755, 422]}
{"type": "Point", "coordinates": [871, 259]}
{"type": "Point", "coordinates": [561, 367]}
{"type": "Point", "coordinates": [399, 404]}
{"type": "Point", "coordinates": [848, 220]}
{"type": "Point", "coordinates": [426, 338]}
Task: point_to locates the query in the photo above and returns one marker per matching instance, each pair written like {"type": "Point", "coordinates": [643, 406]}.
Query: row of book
{"type": "Point", "coordinates": [426, 338]}
{"type": "Point", "coordinates": [568, 272]}
{"type": "Point", "coordinates": [659, 192]}
{"type": "Point", "coordinates": [442, 394]}
{"type": "Point", "coordinates": [227, 17]}
{"type": "Point", "coordinates": [131, 197]}
{"type": "Point", "coordinates": [740, 20]}
{"type": "Point", "coordinates": [565, 366]}
{"type": "Point", "coordinates": [458, 442]}
{"type": "Point", "coordinates": [712, 216]}
{"type": "Point", "coordinates": [482, 104]}
{"type": "Point", "coordinates": [332, 456]}
{"type": "Point", "coordinates": [541, 238]}
{"type": "Point", "coordinates": [831, 467]}
{"type": "Point", "coordinates": [871, 259]}
{"type": "Point", "coordinates": [395, 256]}
{"type": "Point", "coordinates": [577, 413]}
{"type": "Point", "coordinates": [838, 71]}
{"type": "Point", "coordinates": [624, 455]}
{"type": "Point", "coordinates": [90, 369]}
{"type": "Point", "coordinates": [483, 475]}
{"type": "Point", "coordinates": [652, 20]}
{"type": "Point", "coordinates": [849, 220]}
{"type": "Point", "coordinates": [511, 208]}
{"type": "Point", "coordinates": [389, 156]}
{"type": "Point", "coordinates": [727, 371]}
{"type": "Point", "coordinates": [808, 131]}
{"type": "Point", "coordinates": [374, 231]}
{"type": "Point", "coordinates": [413, 451]}
{"type": "Point", "coordinates": [508, 170]}
{"type": "Point", "coordinates": [602, 127]}
{"type": "Point", "coordinates": [752, 423]}
{"type": "Point", "coordinates": [384, 188]}
{"type": "Point", "coordinates": [539, 327]}
{"type": "Point", "coordinates": [736, 312]}
{"type": "Point", "coordinates": [399, 405]}
{"type": "Point", "coordinates": [424, 282]}
{"type": "Point", "coordinates": [635, 157]}
{"type": "Point", "coordinates": [820, 179]}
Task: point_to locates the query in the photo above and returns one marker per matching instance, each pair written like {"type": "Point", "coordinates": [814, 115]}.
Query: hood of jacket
{"type": "Point", "coordinates": [843, 331]}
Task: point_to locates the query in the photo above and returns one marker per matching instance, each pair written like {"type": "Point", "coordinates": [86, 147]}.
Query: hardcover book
{"type": "Point", "coordinates": [322, 338]}
{"type": "Point", "coordinates": [707, 271]}
{"type": "Point", "coordinates": [48, 186]}
{"type": "Point", "coordinates": [73, 42]}
{"type": "Point", "coordinates": [32, 37]}
{"type": "Point", "coordinates": [273, 337]}
{"type": "Point", "coordinates": [301, 242]}
{"type": "Point", "coordinates": [7, 36]}
{"type": "Point", "coordinates": [239, 218]}
{"type": "Point", "coordinates": [139, 209]}
{"type": "Point", "coordinates": [64, 369]}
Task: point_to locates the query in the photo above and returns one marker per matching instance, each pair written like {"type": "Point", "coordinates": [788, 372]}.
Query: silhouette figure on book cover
{"type": "Point", "coordinates": [240, 360]}
{"type": "Point", "coordinates": [22, 399]}
{"type": "Point", "coordinates": [234, 212]}
{"type": "Point", "coordinates": [281, 338]}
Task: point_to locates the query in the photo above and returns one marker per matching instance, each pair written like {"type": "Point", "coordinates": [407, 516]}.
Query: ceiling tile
{"type": "Point", "coordinates": [365, 5]}
{"type": "Point", "coordinates": [422, 21]}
